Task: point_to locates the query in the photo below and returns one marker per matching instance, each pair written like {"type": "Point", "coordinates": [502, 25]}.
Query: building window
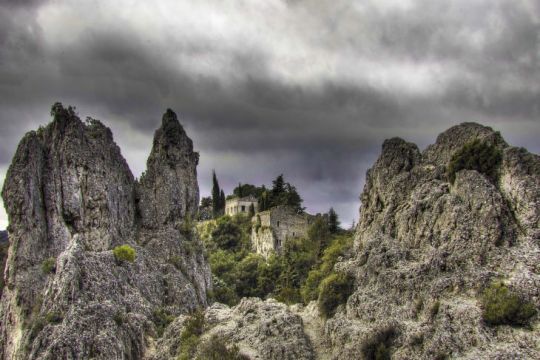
{"type": "Point", "coordinates": [278, 224]}
{"type": "Point", "coordinates": [293, 234]}
{"type": "Point", "coordinates": [243, 208]}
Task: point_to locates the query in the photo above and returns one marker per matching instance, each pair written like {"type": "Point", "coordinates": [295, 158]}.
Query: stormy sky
{"type": "Point", "coordinates": [308, 88]}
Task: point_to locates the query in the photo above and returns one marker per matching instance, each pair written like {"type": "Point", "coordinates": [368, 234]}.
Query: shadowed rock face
{"type": "Point", "coordinates": [168, 189]}
{"type": "Point", "coordinates": [423, 243]}
{"type": "Point", "coordinates": [71, 198]}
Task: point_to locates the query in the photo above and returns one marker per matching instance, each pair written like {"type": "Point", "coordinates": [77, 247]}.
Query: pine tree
{"type": "Point", "coordinates": [216, 196]}
{"type": "Point", "coordinates": [333, 222]}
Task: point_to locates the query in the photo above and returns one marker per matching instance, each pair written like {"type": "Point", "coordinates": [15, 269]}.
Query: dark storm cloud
{"type": "Point", "coordinates": [307, 88]}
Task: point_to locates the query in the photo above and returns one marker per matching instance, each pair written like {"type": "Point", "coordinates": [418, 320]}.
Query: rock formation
{"type": "Point", "coordinates": [425, 250]}
{"type": "Point", "coordinates": [426, 247]}
{"type": "Point", "coordinates": [261, 329]}
{"type": "Point", "coordinates": [168, 190]}
{"type": "Point", "coordinates": [71, 199]}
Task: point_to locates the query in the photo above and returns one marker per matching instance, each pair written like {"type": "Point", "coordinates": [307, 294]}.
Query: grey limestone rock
{"type": "Point", "coordinates": [425, 249]}
{"type": "Point", "coordinates": [71, 199]}
{"type": "Point", "coordinates": [265, 330]}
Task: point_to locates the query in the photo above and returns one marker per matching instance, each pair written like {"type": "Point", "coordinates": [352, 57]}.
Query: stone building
{"type": "Point", "coordinates": [273, 227]}
{"type": "Point", "coordinates": [237, 205]}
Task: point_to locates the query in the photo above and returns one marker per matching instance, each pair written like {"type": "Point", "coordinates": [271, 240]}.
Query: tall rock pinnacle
{"type": "Point", "coordinates": [168, 190]}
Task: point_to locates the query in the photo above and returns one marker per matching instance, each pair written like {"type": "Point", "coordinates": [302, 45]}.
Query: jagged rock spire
{"type": "Point", "coordinates": [168, 191]}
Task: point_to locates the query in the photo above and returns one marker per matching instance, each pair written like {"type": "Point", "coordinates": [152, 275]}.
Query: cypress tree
{"type": "Point", "coordinates": [222, 203]}
{"type": "Point", "coordinates": [216, 196]}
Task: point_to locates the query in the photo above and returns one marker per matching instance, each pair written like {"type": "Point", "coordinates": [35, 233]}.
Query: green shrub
{"type": "Point", "coordinates": [216, 349]}
{"type": "Point", "coordinates": [48, 266]}
{"type": "Point", "coordinates": [334, 291]}
{"type": "Point", "coordinates": [187, 228]}
{"type": "Point", "coordinates": [246, 275]}
{"type": "Point", "coordinates": [501, 306]}
{"type": "Point", "coordinates": [476, 155]}
{"type": "Point", "coordinates": [119, 318]}
{"type": "Point", "coordinates": [162, 319]}
{"type": "Point", "coordinates": [227, 235]}
{"type": "Point", "coordinates": [223, 292]}
{"type": "Point", "coordinates": [124, 253]}
{"type": "Point", "coordinates": [337, 248]}
{"type": "Point", "coordinates": [190, 337]}
{"type": "Point", "coordinates": [54, 318]}
{"type": "Point", "coordinates": [378, 346]}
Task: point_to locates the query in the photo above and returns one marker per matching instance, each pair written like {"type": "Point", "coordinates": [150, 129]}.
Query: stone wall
{"type": "Point", "coordinates": [240, 205]}
{"type": "Point", "coordinates": [272, 228]}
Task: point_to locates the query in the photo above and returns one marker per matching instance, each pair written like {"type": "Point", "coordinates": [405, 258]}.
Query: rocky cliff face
{"type": "Point", "coordinates": [71, 199]}
{"type": "Point", "coordinates": [168, 190]}
{"type": "Point", "coordinates": [426, 248]}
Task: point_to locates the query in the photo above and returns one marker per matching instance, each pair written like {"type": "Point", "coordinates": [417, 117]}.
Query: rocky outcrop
{"type": "Point", "coordinates": [168, 190]}
{"type": "Point", "coordinates": [71, 199]}
{"type": "Point", "coordinates": [260, 329]}
{"type": "Point", "coordinates": [426, 248]}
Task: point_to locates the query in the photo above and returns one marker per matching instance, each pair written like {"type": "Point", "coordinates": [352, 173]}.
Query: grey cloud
{"type": "Point", "coordinates": [250, 121]}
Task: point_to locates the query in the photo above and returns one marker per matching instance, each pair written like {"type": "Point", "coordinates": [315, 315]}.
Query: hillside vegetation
{"type": "Point", "coordinates": [293, 276]}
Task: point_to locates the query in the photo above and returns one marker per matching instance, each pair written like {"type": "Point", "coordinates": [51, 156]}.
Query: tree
{"type": "Point", "coordinates": [216, 195]}
{"type": "Point", "coordinates": [206, 202]}
{"type": "Point", "coordinates": [283, 193]}
{"type": "Point", "coordinates": [333, 222]}
{"type": "Point", "coordinates": [263, 201]}
{"type": "Point", "coordinates": [222, 202]}
{"type": "Point", "coordinates": [243, 190]}
{"type": "Point", "coordinates": [251, 210]}
{"type": "Point", "coordinates": [278, 187]}
{"type": "Point", "coordinates": [319, 234]}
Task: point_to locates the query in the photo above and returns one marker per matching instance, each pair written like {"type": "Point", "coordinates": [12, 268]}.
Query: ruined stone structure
{"type": "Point", "coordinates": [240, 205]}
{"type": "Point", "coordinates": [272, 228]}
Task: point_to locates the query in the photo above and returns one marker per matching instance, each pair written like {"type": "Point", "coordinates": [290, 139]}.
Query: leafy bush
{"type": "Point", "coordinates": [222, 292]}
{"type": "Point", "coordinates": [227, 235]}
{"type": "Point", "coordinates": [190, 337]}
{"type": "Point", "coordinates": [48, 265]}
{"type": "Point", "coordinates": [247, 274]}
{"type": "Point", "coordinates": [476, 155]}
{"type": "Point", "coordinates": [501, 306]}
{"type": "Point", "coordinates": [216, 349]}
{"type": "Point", "coordinates": [378, 346]}
{"type": "Point", "coordinates": [124, 253]}
{"type": "Point", "coordinates": [334, 291]}
{"type": "Point", "coordinates": [54, 318]}
{"type": "Point", "coordinates": [162, 319]}
{"type": "Point", "coordinates": [119, 318]}
{"type": "Point", "coordinates": [338, 248]}
{"type": "Point", "coordinates": [187, 228]}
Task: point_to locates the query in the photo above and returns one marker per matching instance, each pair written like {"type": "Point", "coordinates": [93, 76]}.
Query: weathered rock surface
{"type": "Point", "coordinates": [71, 198]}
{"type": "Point", "coordinates": [168, 190]}
{"type": "Point", "coordinates": [261, 330]}
{"type": "Point", "coordinates": [426, 248]}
